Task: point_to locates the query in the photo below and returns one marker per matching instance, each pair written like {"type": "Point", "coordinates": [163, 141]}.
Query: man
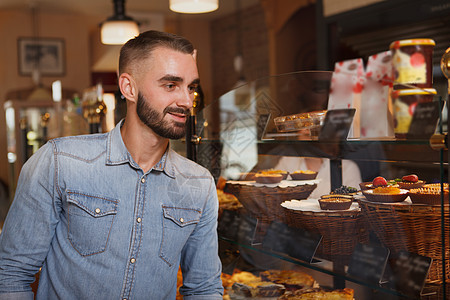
{"type": "Point", "coordinates": [114, 215]}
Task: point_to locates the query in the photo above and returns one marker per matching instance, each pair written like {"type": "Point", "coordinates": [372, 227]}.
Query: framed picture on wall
{"type": "Point", "coordinates": [44, 54]}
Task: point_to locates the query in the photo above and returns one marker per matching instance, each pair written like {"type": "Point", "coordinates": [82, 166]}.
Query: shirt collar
{"type": "Point", "coordinates": [117, 153]}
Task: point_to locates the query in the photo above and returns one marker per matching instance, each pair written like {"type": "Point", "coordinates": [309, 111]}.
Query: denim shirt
{"type": "Point", "coordinates": [101, 228]}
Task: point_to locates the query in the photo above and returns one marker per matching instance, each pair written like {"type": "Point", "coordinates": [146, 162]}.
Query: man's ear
{"type": "Point", "coordinates": [194, 54]}
{"type": "Point", "coordinates": [128, 87]}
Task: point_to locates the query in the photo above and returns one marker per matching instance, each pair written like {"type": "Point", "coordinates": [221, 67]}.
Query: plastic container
{"type": "Point", "coordinates": [405, 102]}
{"type": "Point", "coordinates": [412, 62]}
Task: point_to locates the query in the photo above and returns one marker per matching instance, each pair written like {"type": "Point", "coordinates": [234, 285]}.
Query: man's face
{"type": "Point", "coordinates": [166, 92]}
{"type": "Point", "coordinates": [157, 122]}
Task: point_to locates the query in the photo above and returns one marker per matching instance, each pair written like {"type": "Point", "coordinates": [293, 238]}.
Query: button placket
{"type": "Point", "coordinates": [136, 237]}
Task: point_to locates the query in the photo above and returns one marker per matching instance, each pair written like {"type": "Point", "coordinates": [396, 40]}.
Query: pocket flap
{"type": "Point", "coordinates": [182, 216]}
{"type": "Point", "coordinates": [96, 206]}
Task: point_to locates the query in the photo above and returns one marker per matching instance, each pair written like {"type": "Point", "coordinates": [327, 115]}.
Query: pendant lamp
{"type": "Point", "coordinates": [119, 28]}
{"type": "Point", "coordinates": [193, 6]}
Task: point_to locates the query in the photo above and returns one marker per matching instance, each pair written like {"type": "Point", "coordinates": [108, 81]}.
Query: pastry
{"type": "Point", "coordinates": [227, 201]}
{"type": "Point", "coordinates": [387, 194]}
{"type": "Point", "coordinates": [268, 178]}
{"type": "Point", "coordinates": [244, 276]}
{"type": "Point", "coordinates": [258, 289]}
{"type": "Point", "coordinates": [410, 182]}
{"type": "Point", "coordinates": [273, 171]}
{"type": "Point", "coordinates": [303, 175]}
{"type": "Point", "coordinates": [338, 202]}
{"type": "Point", "coordinates": [428, 195]}
{"type": "Point", "coordinates": [317, 293]}
{"type": "Point", "coordinates": [250, 176]}
{"type": "Point", "coordinates": [389, 190]}
{"type": "Point", "coordinates": [290, 279]}
{"type": "Point", "coordinates": [247, 284]}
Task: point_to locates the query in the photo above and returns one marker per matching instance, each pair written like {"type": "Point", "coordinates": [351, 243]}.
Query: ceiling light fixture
{"type": "Point", "coordinates": [119, 28]}
{"type": "Point", "coordinates": [193, 6]}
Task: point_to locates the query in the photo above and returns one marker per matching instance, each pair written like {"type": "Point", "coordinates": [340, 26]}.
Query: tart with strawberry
{"type": "Point", "coordinates": [378, 182]}
{"type": "Point", "coordinates": [410, 182]}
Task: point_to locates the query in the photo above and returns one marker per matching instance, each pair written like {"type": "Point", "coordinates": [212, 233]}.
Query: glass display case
{"type": "Point", "coordinates": [276, 148]}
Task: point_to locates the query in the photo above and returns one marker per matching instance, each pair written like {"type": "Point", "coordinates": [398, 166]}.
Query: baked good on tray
{"type": "Point", "coordinates": [410, 182]}
{"type": "Point", "coordinates": [268, 178]}
{"type": "Point", "coordinates": [258, 289]}
{"type": "Point", "coordinates": [290, 279]}
{"type": "Point", "coordinates": [378, 182]}
{"type": "Point", "coordinates": [386, 194]}
{"type": "Point", "coordinates": [249, 285]}
{"type": "Point", "coordinates": [303, 175]}
{"type": "Point", "coordinates": [427, 195]}
{"type": "Point", "coordinates": [273, 171]}
{"type": "Point", "coordinates": [250, 176]}
{"type": "Point", "coordinates": [335, 202]}
{"type": "Point", "coordinates": [318, 293]}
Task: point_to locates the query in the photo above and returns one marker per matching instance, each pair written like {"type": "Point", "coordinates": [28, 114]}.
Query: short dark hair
{"type": "Point", "coordinates": [141, 47]}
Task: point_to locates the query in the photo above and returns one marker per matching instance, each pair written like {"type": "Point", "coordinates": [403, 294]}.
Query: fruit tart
{"type": "Point", "coordinates": [410, 182]}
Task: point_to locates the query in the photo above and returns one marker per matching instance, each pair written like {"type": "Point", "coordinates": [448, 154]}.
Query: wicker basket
{"type": "Point", "coordinates": [340, 230]}
{"type": "Point", "coordinates": [263, 202]}
{"type": "Point", "coordinates": [412, 228]}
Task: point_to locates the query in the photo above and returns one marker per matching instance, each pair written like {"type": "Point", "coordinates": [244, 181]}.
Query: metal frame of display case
{"type": "Point", "coordinates": [401, 154]}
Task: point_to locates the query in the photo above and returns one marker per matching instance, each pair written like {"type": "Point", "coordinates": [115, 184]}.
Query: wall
{"type": "Point", "coordinates": [74, 29]}
{"type": "Point", "coordinates": [224, 42]}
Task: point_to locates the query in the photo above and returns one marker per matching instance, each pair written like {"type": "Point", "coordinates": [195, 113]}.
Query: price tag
{"type": "Point", "coordinates": [295, 242]}
{"type": "Point", "coordinates": [424, 121]}
{"type": "Point", "coordinates": [368, 263]}
{"type": "Point", "coordinates": [337, 124]}
{"type": "Point", "coordinates": [408, 273]}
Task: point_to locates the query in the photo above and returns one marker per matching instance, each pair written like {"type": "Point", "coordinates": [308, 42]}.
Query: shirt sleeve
{"type": "Point", "coordinates": [200, 262]}
{"type": "Point", "coordinates": [29, 226]}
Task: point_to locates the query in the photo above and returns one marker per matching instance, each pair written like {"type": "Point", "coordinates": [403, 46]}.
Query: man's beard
{"type": "Point", "coordinates": [156, 122]}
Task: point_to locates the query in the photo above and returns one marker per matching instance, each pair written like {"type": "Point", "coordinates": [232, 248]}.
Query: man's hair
{"type": "Point", "coordinates": [140, 48]}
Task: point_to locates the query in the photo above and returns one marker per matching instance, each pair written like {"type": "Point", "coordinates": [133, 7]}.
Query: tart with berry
{"type": "Point", "coordinates": [410, 182]}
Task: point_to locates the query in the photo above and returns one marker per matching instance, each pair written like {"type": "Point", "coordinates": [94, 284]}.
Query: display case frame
{"type": "Point", "coordinates": [393, 156]}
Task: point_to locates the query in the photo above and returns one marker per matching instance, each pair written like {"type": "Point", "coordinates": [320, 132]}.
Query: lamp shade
{"type": "Point", "coordinates": [118, 32]}
{"type": "Point", "coordinates": [193, 6]}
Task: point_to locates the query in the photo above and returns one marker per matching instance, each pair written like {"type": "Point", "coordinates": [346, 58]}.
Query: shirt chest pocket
{"type": "Point", "coordinates": [90, 219]}
{"type": "Point", "coordinates": [178, 224]}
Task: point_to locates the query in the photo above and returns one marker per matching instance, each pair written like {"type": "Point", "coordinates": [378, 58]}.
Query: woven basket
{"type": "Point", "coordinates": [340, 230]}
{"type": "Point", "coordinates": [264, 203]}
{"type": "Point", "coordinates": [412, 228]}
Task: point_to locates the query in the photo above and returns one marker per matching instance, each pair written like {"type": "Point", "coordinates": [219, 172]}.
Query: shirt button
{"type": "Point", "coordinates": [138, 220]}
{"type": "Point", "coordinates": [181, 220]}
{"type": "Point", "coordinates": [133, 260]}
{"type": "Point", "coordinates": [143, 180]}
{"type": "Point", "coordinates": [97, 210]}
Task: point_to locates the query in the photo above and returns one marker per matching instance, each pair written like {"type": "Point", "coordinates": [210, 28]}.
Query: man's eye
{"type": "Point", "coordinates": [192, 89]}
{"type": "Point", "coordinates": [170, 86]}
